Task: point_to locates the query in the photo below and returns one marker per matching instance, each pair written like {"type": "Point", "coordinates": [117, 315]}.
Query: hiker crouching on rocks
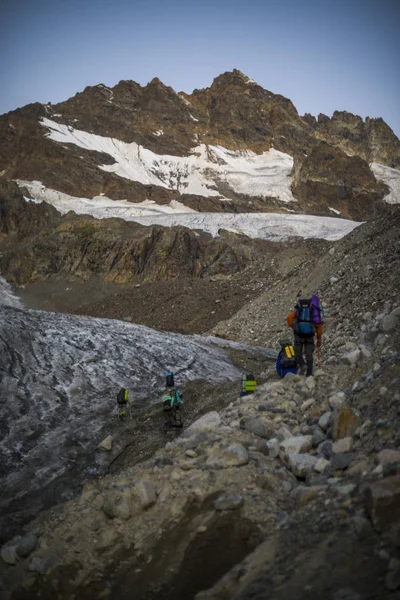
{"type": "Point", "coordinates": [306, 320]}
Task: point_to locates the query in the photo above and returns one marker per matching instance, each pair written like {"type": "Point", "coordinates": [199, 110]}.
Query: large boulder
{"type": "Point", "coordinates": [301, 465]}
{"type": "Point", "coordinates": [9, 554]}
{"type": "Point", "coordinates": [296, 445]}
{"type": "Point", "coordinates": [383, 502]}
{"type": "Point", "coordinates": [234, 455]}
{"type": "Point", "coordinates": [346, 422]}
{"type": "Point", "coordinates": [106, 444]}
{"type": "Point", "coordinates": [207, 422]}
{"type": "Point", "coordinates": [229, 502]}
{"type": "Point", "coordinates": [27, 545]}
{"type": "Point", "coordinates": [128, 500]}
{"type": "Point", "coordinates": [256, 426]}
{"type": "Point", "coordinates": [343, 445]}
{"type": "Point", "coordinates": [325, 420]}
{"type": "Point", "coordinates": [388, 457]}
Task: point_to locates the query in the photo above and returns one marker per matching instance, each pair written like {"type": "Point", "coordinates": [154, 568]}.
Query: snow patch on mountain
{"type": "Point", "coordinates": [7, 297]}
{"type": "Point", "coordinates": [263, 175]}
{"type": "Point", "coordinates": [99, 207]}
{"type": "Point", "coordinates": [267, 226]}
{"type": "Point", "coordinates": [392, 179]}
{"type": "Point", "coordinates": [183, 98]}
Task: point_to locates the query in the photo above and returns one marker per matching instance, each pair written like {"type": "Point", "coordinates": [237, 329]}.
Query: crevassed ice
{"type": "Point", "coordinates": [278, 227]}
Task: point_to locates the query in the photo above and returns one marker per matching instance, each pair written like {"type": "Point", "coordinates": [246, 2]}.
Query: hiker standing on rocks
{"type": "Point", "coordinates": [306, 321]}
{"type": "Point", "coordinates": [172, 401]}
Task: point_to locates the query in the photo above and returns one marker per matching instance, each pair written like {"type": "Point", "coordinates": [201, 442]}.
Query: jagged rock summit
{"type": "Point", "coordinates": [152, 143]}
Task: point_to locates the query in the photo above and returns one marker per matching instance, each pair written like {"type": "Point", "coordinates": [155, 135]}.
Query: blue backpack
{"type": "Point", "coordinates": [303, 324]}
{"type": "Point", "coordinates": [169, 380]}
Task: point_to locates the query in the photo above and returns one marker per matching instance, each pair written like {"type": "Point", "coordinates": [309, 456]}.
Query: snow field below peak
{"type": "Point", "coordinates": [264, 175]}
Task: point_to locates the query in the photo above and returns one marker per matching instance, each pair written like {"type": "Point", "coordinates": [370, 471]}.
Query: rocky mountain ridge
{"type": "Point", "coordinates": [234, 113]}
{"type": "Point", "coordinates": [229, 112]}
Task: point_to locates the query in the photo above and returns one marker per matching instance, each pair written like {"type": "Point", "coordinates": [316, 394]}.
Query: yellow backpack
{"type": "Point", "coordinates": [249, 384]}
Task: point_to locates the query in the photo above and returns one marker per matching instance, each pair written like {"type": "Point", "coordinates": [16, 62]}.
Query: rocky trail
{"type": "Point", "coordinates": [292, 492]}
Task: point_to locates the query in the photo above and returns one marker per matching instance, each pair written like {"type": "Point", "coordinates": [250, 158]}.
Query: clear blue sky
{"type": "Point", "coordinates": [324, 55]}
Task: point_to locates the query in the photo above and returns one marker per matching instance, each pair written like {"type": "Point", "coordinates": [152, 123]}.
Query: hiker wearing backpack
{"type": "Point", "coordinates": [172, 398]}
{"type": "Point", "coordinates": [172, 401]}
{"type": "Point", "coordinates": [306, 321]}
{"type": "Point", "coordinates": [123, 402]}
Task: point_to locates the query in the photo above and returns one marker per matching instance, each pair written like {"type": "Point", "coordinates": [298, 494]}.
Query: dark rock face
{"type": "Point", "coordinates": [39, 243]}
{"type": "Point", "coordinates": [373, 139]}
{"type": "Point", "coordinates": [26, 153]}
{"type": "Point", "coordinates": [240, 113]}
{"type": "Point", "coordinates": [132, 113]}
{"type": "Point", "coordinates": [329, 178]}
{"type": "Point", "coordinates": [19, 218]}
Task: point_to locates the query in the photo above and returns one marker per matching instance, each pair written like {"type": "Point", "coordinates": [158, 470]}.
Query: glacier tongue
{"type": "Point", "coordinates": [59, 377]}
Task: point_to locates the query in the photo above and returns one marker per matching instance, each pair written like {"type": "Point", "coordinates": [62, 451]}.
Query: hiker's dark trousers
{"type": "Point", "coordinates": [304, 345]}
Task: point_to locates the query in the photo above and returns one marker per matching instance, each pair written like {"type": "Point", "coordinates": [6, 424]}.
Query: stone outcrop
{"type": "Point", "coordinates": [372, 139]}
{"type": "Point", "coordinates": [20, 219]}
{"type": "Point", "coordinates": [39, 243]}
{"type": "Point", "coordinates": [329, 182]}
{"type": "Point", "coordinates": [241, 114]}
